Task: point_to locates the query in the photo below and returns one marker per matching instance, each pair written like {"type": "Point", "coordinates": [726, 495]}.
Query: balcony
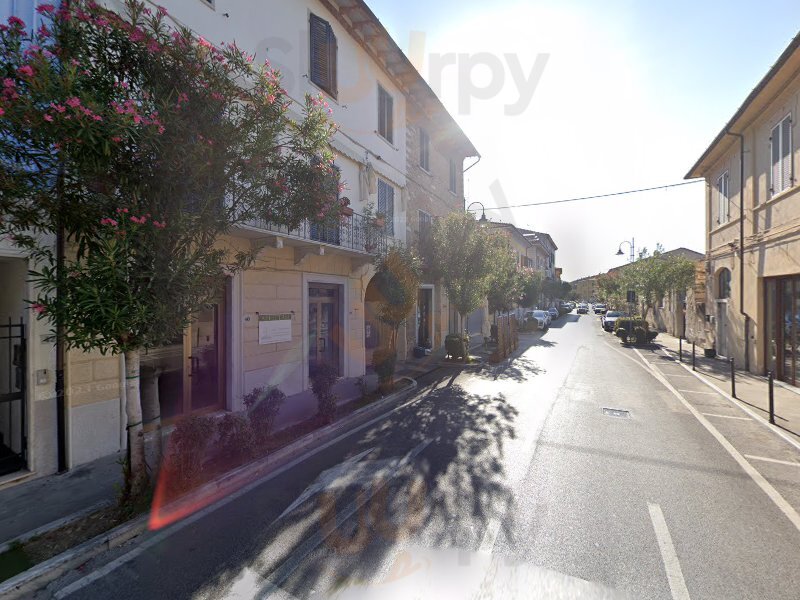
{"type": "Point", "coordinates": [355, 233]}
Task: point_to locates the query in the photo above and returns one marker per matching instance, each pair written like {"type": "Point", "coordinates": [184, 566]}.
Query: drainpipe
{"type": "Point", "coordinates": [741, 251]}
{"type": "Point", "coordinates": [61, 420]}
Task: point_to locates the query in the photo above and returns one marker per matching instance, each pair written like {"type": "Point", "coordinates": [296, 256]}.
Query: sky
{"type": "Point", "coordinates": [567, 99]}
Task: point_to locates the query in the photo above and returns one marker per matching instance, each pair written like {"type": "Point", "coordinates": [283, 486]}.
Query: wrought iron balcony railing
{"type": "Point", "coordinates": [354, 232]}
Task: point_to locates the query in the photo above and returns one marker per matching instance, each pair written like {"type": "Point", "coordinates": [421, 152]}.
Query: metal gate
{"type": "Point", "coordinates": [13, 397]}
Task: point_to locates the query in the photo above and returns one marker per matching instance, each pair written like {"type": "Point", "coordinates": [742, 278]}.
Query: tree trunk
{"type": "Point", "coordinates": [138, 480]}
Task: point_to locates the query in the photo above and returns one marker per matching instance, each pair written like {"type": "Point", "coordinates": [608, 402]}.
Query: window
{"type": "Point", "coordinates": [424, 150]}
{"type": "Point", "coordinates": [386, 204]}
{"type": "Point", "coordinates": [782, 172]}
{"type": "Point", "coordinates": [723, 199]}
{"type": "Point", "coordinates": [724, 284]}
{"type": "Point", "coordinates": [323, 55]}
{"type": "Point", "coordinates": [385, 115]}
{"type": "Point", "coordinates": [453, 176]}
{"type": "Point", "coordinates": [425, 222]}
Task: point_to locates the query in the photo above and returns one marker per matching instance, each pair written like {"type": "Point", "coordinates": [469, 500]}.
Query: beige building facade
{"type": "Point", "coordinates": [306, 301]}
{"type": "Point", "coordinates": [753, 227]}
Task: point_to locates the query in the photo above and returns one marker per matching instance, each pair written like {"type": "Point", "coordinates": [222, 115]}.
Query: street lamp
{"type": "Point", "coordinates": [632, 247]}
{"type": "Point", "coordinates": [483, 219]}
{"type": "Point", "coordinates": [631, 305]}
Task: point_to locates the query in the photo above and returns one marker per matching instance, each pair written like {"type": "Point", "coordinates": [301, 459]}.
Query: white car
{"type": "Point", "coordinates": [543, 319]}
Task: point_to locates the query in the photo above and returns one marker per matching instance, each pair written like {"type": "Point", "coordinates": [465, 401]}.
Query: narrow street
{"type": "Point", "coordinates": [508, 482]}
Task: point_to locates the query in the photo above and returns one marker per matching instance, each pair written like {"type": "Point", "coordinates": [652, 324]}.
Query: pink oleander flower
{"type": "Point", "coordinates": [116, 139]}
{"type": "Point", "coordinates": [25, 71]}
{"type": "Point", "coordinates": [108, 221]}
{"type": "Point", "coordinates": [2, 112]}
{"type": "Point", "coordinates": [43, 31]}
{"type": "Point", "coordinates": [137, 35]}
{"type": "Point", "coordinates": [74, 102]}
{"type": "Point", "coordinates": [45, 9]}
{"type": "Point", "coordinates": [9, 83]}
{"type": "Point", "coordinates": [204, 42]}
{"type": "Point", "coordinates": [161, 11]}
{"type": "Point", "coordinates": [159, 224]}
{"type": "Point", "coordinates": [58, 107]}
{"type": "Point", "coordinates": [16, 22]}
{"type": "Point", "coordinates": [139, 220]}
{"type": "Point", "coordinates": [48, 118]}
{"type": "Point", "coordinates": [38, 308]}
{"type": "Point", "coordinates": [271, 98]}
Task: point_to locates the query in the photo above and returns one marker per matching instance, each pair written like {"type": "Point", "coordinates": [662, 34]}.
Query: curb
{"type": "Point", "coordinates": [35, 578]}
{"type": "Point", "coordinates": [53, 525]}
{"type": "Point", "coordinates": [38, 576]}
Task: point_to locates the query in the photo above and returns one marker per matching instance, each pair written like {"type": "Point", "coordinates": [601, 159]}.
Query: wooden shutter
{"type": "Point", "coordinates": [775, 160]}
{"type": "Point", "coordinates": [323, 51]}
{"type": "Point", "coordinates": [787, 176]}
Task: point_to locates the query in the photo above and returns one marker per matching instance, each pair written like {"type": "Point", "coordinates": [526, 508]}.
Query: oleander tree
{"type": "Point", "coordinates": [143, 145]}
{"type": "Point", "coordinates": [532, 282]}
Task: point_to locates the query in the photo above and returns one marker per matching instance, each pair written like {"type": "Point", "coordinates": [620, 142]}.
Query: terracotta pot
{"type": "Point", "coordinates": [347, 211]}
{"type": "Point", "coordinates": [380, 221]}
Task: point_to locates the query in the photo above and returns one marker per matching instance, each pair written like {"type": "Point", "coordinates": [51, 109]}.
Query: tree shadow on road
{"type": "Point", "coordinates": [445, 498]}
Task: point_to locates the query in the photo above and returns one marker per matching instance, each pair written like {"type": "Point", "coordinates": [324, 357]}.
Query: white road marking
{"type": "Point", "coordinates": [773, 460]}
{"type": "Point", "coordinates": [490, 537]}
{"type": "Point", "coordinates": [738, 404]}
{"type": "Point", "coordinates": [669, 557]}
{"type": "Point", "coordinates": [176, 527]}
{"type": "Point", "coordinates": [757, 477]}
{"type": "Point", "coordinates": [695, 391]}
{"type": "Point", "coordinates": [727, 416]}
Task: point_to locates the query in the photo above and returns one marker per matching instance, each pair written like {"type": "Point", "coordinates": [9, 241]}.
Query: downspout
{"type": "Point", "coordinates": [741, 251]}
{"type": "Point", "coordinates": [61, 420]}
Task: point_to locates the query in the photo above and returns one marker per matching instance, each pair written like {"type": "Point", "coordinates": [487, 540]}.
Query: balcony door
{"type": "Point", "coordinates": [324, 326]}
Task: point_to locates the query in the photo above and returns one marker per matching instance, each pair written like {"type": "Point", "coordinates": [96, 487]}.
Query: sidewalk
{"type": "Point", "coordinates": [38, 503]}
{"type": "Point", "coordinates": [752, 390]}
{"type": "Point", "coordinates": [34, 504]}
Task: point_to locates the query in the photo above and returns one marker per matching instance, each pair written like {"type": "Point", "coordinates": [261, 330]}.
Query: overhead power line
{"type": "Point", "coordinates": [640, 190]}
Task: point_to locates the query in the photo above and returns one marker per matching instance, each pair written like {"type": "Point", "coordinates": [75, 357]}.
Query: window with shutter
{"type": "Point", "coordinates": [787, 176]}
{"type": "Point", "coordinates": [723, 199]}
{"type": "Point", "coordinates": [385, 115]}
{"type": "Point", "coordinates": [322, 52]}
{"type": "Point", "coordinates": [782, 164]}
{"type": "Point", "coordinates": [386, 204]}
{"type": "Point", "coordinates": [424, 150]}
{"type": "Point", "coordinates": [425, 223]}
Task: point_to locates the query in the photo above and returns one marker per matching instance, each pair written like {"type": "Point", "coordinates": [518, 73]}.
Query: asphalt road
{"type": "Point", "coordinates": [511, 482]}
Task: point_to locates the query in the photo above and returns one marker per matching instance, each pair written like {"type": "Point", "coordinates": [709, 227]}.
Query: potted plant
{"type": "Point", "coordinates": [346, 210]}
{"type": "Point", "coordinates": [380, 220]}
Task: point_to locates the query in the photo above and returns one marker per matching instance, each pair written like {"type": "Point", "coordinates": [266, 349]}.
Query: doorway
{"type": "Point", "coordinates": [324, 326]}
{"type": "Point", "coordinates": [722, 328]}
{"type": "Point", "coordinates": [190, 371]}
{"type": "Point", "coordinates": [425, 317]}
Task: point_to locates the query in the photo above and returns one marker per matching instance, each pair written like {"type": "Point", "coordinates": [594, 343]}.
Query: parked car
{"type": "Point", "coordinates": [600, 309]}
{"type": "Point", "coordinates": [542, 319]}
{"type": "Point", "coordinates": [583, 308]}
{"type": "Point", "coordinates": [608, 319]}
{"type": "Point", "coordinates": [553, 312]}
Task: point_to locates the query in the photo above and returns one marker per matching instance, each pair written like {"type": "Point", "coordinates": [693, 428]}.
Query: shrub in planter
{"type": "Point", "coordinates": [263, 406]}
{"type": "Point", "coordinates": [384, 360]}
{"type": "Point", "coordinates": [456, 345]}
{"type": "Point", "coordinates": [322, 380]}
{"type": "Point", "coordinates": [641, 335]}
{"type": "Point", "coordinates": [237, 439]}
{"type": "Point", "coordinates": [188, 444]}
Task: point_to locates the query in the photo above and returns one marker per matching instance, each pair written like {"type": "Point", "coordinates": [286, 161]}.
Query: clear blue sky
{"type": "Point", "coordinates": [631, 94]}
